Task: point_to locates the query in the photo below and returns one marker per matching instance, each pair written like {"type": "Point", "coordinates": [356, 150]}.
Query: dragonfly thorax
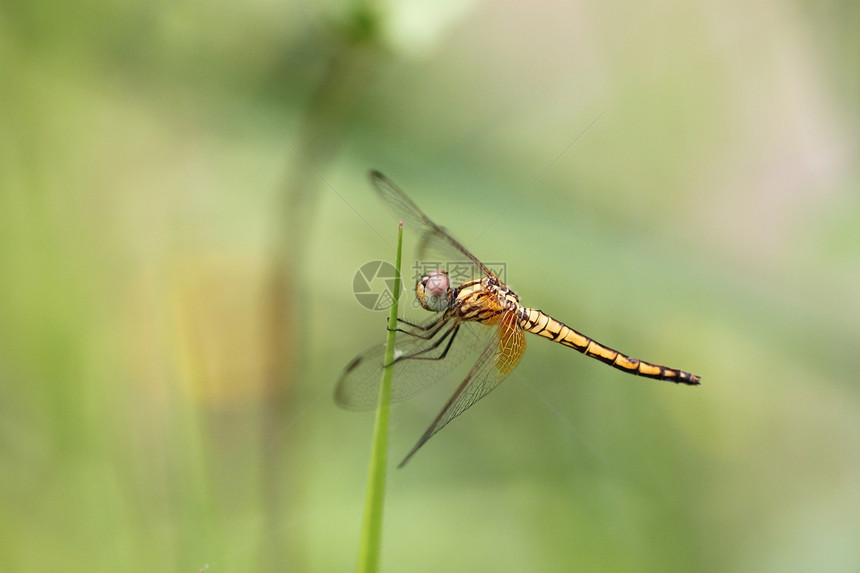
{"type": "Point", "coordinates": [434, 291]}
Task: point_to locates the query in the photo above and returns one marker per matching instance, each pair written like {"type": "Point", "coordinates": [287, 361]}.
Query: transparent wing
{"type": "Point", "coordinates": [501, 355]}
{"type": "Point", "coordinates": [431, 236]}
{"type": "Point", "coordinates": [358, 387]}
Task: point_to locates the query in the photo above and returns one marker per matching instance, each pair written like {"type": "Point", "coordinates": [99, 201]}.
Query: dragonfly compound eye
{"type": "Point", "coordinates": [434, 290]}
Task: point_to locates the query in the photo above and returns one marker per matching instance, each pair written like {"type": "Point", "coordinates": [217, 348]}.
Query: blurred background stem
{"type": "Point", "coordinates": [327, 118]}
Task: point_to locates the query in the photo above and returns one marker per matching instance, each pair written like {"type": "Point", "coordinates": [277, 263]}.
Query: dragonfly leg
{"type": "Point", "coordinates": [419, 326]}
{"type": "Point", "coordinates": [450, 335]}
{"type": "Point", "coordinates": [425, 331]}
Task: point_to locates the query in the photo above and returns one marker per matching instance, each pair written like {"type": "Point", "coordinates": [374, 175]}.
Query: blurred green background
{"type": "Point", "coordinates": [184, 202]}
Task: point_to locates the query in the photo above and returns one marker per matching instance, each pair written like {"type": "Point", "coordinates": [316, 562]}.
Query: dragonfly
{"type": "Point", "coordinates": [480, 320]}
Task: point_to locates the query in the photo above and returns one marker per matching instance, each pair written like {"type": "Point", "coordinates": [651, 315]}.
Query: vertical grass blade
{"type": "Point", "coordinates": [371, 528]}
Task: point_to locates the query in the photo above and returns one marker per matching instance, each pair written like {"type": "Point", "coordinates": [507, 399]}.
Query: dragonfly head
{"type": "Point", "coordinates": [434, 291]}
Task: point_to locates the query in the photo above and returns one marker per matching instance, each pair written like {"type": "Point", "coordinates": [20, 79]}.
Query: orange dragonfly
{"type": "Point", "coordinates": [480, 317]}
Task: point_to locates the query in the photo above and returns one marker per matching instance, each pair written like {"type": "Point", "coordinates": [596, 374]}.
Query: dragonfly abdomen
{"type": "Point", "coordinates": [542, 324]}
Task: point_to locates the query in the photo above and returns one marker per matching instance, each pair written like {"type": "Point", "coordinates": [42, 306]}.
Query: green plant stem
{"type": "Point", "coordinates": [371, 529]}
